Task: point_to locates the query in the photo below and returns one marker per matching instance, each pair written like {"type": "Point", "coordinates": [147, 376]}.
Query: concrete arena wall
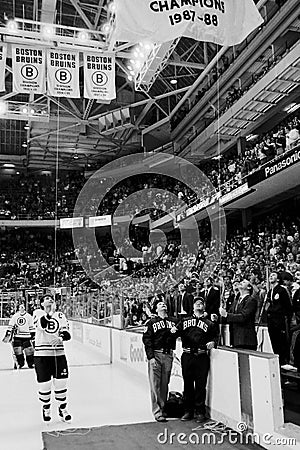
{"type": "Point", "coordinates": [243, 386]}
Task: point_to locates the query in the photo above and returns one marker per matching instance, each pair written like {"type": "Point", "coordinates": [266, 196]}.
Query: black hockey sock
{"type": "Point", "coordinates": [20, 360]}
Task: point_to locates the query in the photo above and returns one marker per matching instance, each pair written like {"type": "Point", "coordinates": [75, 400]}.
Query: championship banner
{"type": "Point", "coordinates": [3, 52]}
{"type": "Point", "coordinates": [224, 22]}
{"type": "Point", "coordinates": [63, 73]}
{"type": "Point", "coordinates": [99, 76]}
{"type": "Point", "coordinates": [28, 66]}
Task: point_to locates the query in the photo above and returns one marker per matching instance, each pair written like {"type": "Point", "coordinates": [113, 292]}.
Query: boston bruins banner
{"type": "Point", "coordinates": [99, 76]}
{"type": "Point", "coordinates": [63, 73]}
{"type": "Point", "coordinates": [3, 50]}
{"type": "Point", "coordinates": [28, 64]}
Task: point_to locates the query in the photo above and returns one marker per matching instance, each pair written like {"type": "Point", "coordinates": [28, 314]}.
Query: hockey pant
{"type": "Point", "coordinates": [19, 349]}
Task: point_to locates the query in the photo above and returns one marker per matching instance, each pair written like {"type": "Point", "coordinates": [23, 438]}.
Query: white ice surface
{"type": "Point", "coordinates": [98, 394]}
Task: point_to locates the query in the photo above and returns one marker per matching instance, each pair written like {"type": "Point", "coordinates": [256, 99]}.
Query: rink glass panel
{"type": "Point", "coordinates": [91, 306]}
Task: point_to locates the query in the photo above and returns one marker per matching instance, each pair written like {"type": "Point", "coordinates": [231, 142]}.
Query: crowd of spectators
{"type": "Point", "coordinates": [31, 196]}
{"type": "Point", "coordinates": [230, 171]}
{"type": "Point", "coordinates": [39, 197]}
{"type": "Point", "coordinates": [28, 259]}
{"type": "Point", "coordinates": [273, 243]}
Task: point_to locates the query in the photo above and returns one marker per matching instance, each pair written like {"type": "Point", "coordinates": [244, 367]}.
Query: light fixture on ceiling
{"type": "Point", "coordinates": [75, 156]}
{"type": "Point", "coordinates": [112, 7]}
{"type": "Point", "coordinates": [48, 31]}
{"type": "Point", "coordinates": [26, 127]}
{"type": "Point", "coordinates": [24, 145]}
{"type": "Point", "coordinates": [9, 165]}
{"type": "Point", "coordinates": [138, 58]}
{"type": "Point", "coordinates": [148, 46]}
{"type": "Point", "coordinates": [106, 28]}
{"type": "Point", "coordinates": [138, 64]}
{"type": "Point", "coordinates": [173, 79]}
{"type": "Point", "coordinates": [12, 26]}
{"type": "Point", "coordinates": [83, 36]}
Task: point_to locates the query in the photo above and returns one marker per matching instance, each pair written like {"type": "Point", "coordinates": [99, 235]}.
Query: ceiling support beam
{"type": "Point", "coordinates": [48, 11]}
{"type": "Point", "coordinates": [72, 103]}
{"type": "Point", "coordinates": [144, 102]}
{"type": "Point", "coordinates": [82, 14]}
{"type": "Point", "coordinates": [98, 14]}
{"type": "Point", "coordinates": [88, 109]}
{"type": "Point", "coordinates": [7, 96]}
{"type": "Point", "coordinates": [59, 130]}
{"type": "Point", "coordinates": [187, 64]}
{"type": "Point", "coordinates": [61, 105]}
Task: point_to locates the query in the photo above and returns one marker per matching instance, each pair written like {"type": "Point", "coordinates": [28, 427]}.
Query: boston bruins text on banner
{"type": "Point", "coordinates": [225, 22]}
{"type": "Point", "coordinates": [99, 76]}
{"type": "Point", "coordinates": [3, 51]}
{"type": "Point", "coordinates": [63, 73]}
{"type": "Point", "coordinates": [28, 65]}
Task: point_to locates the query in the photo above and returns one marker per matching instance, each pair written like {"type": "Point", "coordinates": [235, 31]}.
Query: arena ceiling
{"type": "Point", "coordinates": [80, 141]}
{"type": "Point", "coordinates": [70, 129]}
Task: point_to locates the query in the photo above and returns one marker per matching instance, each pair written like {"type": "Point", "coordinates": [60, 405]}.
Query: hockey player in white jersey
{"type": "Point", "coordinates": [22, 324]}
{"type": "Point", "coordinates": [52, 329]}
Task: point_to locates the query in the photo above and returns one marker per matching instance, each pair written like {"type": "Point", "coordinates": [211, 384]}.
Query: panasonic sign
{"type": "Point", "coordinates": [283, 164]}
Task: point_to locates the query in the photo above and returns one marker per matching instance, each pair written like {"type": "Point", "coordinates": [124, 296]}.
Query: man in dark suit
{"type": "Point", "coordinates": [241, 318]}
{"type": "Point", "coordinates": [279, 314]}
{"type": "Point", "coordinates": [172, 300]}
{"type": "Point", "coordinates": [211, 297]}
{"type": "Point", "coordinates": [186, 302]}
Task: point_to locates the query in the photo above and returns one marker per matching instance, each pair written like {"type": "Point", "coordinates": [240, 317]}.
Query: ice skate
{"type": "Point", "coordinates": [46, 414]}
{"type": "Point", "coordinates": [64, 414]}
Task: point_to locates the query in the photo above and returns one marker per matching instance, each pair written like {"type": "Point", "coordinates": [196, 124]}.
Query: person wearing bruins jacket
{"type": "Point", "coordinates": [198, 335]}
{"type": "Point", "coordinates": [159, 345]}
{"type": "Point", "coordinates": [52, 330]}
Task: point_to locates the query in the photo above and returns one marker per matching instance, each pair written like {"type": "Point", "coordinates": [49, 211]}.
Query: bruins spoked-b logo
{"type": "Point", "coordinates": [63, 76]}
{"type": "Point", "coordinates": [21, 321]}
{"type": "Point", "coordinates": [99, 78]}
{"type": "Point", "coordinates": [52, 326]}
{"type": "Point", "coordinates": [29, 72]}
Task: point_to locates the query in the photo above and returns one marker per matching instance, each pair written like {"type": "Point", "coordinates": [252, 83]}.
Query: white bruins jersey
{"type": "Point", "coordinates": [23, 324]}
{"type": "Point", "coordinates": [44, 336]}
